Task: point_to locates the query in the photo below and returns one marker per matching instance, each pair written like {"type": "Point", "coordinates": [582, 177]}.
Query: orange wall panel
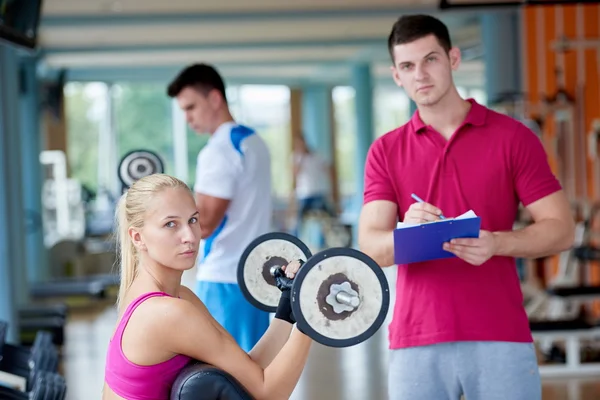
{"type": "Point", "coordinates": [531, 63]}
{"type": "Point", "coordinates": [578, 74]}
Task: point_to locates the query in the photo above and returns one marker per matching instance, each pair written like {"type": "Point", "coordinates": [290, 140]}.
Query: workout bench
{"type": "Point", "coordinates": [573, 365]}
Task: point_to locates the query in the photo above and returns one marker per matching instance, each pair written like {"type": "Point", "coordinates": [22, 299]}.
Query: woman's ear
{"type": "Point", "coordinates": [136, 239]}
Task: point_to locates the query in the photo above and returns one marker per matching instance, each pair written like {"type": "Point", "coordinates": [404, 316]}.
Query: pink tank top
{"type": "Point", "coordinates": [139, 382]}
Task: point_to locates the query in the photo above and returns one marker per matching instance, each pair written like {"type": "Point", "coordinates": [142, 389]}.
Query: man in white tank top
{"type": "Point", "coordinates": [233, 194]}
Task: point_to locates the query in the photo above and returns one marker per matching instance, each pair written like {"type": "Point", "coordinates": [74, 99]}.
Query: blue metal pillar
{"type": "Point", "coordinates": [316, 119]}
{"type": "Point", "coordinates": [317, 129]}
{"type": "Point", "coordinates": [13, 284]}
{"type": "Point", "coordinates": [362, 82]}
{"type": "Point", "coordinates": [502, 49]}
{"type": "Point", "coordinates": [31, 170]}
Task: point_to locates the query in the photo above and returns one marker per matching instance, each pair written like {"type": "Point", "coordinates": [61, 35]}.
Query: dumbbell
{"type": "Point", "coordinates": [340, 296]}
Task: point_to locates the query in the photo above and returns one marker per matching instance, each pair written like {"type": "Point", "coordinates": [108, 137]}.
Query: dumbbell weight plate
{"type": "Point", "coordinates": [254, 268]}
{"type": "Point", "coordinates": [316, 316]}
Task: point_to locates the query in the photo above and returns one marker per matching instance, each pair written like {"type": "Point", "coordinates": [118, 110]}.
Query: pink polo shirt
{"type": "Point", "coordinates": [489, 165]}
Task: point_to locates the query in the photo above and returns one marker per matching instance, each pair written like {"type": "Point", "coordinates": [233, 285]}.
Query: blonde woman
{"type": "Point", "coordinates": [162, 325]}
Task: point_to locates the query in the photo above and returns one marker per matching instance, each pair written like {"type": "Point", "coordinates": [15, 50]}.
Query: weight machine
{"type": "Point", "coordinates": [516, 106]}
{"type": "Point", "coordinates": [560, 312]}
{"type": "Point", "coordinates": [63, 212]}
{"type": "Point", "coordinates": [65, 226]}
{"type": "Point", "coordinates": [333, 231]}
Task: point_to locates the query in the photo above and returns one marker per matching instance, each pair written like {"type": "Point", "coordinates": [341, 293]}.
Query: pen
{"type": "Point", "coordinates": [420, 200]}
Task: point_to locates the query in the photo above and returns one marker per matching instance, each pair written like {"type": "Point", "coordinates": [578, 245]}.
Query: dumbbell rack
{"type": "Point", "coordinates": [30, 373]}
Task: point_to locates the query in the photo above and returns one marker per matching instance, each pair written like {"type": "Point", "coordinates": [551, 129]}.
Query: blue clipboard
{"type": "Point", "coordinates": [424, 242]}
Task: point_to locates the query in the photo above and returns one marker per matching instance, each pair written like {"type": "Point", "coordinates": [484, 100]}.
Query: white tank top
{"type": "Point", "coordinates": [313, 175]}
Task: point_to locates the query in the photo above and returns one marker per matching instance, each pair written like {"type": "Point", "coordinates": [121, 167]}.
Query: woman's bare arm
{"type": "Point", "coordinates": [267, 347]}
{"type": "Point", "coordinates": [196, 336]}
{"type": "Point", "coordinates": [271, 343]}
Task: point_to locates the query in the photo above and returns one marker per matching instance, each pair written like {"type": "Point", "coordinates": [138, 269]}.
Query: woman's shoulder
{"type": "Point", "coordinates": [186, 293]}
{"type": "Point", "coordinates": [157, 304]}
{"type": "Point", "coordinates": [156, 317]}
{"type": "Point", "coordinates": [148, 336]}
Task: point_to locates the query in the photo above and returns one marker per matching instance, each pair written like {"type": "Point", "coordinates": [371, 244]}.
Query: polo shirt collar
{"type": "Point", "coordinates": [475, 116]}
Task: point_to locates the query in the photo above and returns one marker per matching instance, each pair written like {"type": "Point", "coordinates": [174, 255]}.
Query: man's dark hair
{"type": "Point", "coordinates": [409, 28]}
{"type": "Point", "coordinates": [202, 77]}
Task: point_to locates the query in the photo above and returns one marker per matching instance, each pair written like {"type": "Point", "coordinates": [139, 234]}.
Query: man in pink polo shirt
{"type": "Point", "coordinates": [459, 326]}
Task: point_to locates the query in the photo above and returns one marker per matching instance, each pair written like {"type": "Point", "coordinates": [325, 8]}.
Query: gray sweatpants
{"type": "Point", "coordinates": [477, 370]}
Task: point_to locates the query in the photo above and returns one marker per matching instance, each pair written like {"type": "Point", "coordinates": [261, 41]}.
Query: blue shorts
{"type": "Point", "coordinates": [477, 370]}
{"type": "Point", "coordinates": [227, 304]}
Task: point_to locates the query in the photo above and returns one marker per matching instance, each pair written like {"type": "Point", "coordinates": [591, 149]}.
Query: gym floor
{"type": "Point", "coordinates": [357, 372]}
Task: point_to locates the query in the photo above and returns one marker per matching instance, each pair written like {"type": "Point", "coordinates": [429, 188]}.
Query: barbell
{"type": "Point", "coordinates": [340, 296]}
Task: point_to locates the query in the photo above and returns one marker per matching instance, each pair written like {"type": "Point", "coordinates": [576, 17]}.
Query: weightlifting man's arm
{"type": "Point", "coordinates": [211, 211]}
{"type": "Point", "coordinates": [378, 219]}
{"type": "Point", "coordinates": [216, 178]}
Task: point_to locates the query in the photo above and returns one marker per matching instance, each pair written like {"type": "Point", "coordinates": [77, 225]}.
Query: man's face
{"type": "Point", "coordinates": [200, 110]}
{"type": "Point", "coordinates": [424, 69]}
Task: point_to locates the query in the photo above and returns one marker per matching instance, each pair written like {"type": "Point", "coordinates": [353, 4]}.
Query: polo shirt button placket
{"type": "Point", "coordinates": [444, 170]}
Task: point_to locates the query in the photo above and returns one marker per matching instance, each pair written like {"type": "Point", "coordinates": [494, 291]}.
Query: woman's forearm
{"type": "Point", "coordinates": [271, 342]}
{"type": "Point", "coordinates": [283, 373]}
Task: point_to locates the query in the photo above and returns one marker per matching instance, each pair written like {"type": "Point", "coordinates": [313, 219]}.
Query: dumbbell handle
{"type": "Point", "coordinates": [276, 268]}
{"type": "Point", "coordinates": [348, 299]}
{"type": "Point", "coordinates": [342, 296]}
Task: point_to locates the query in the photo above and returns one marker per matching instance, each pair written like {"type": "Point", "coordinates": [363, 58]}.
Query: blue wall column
{"type": "Point", "coordinates": [13, 284]}
{"type": "Point", "coordinates": [316, 119]}
{"type": "Point", "coordinates": [502, 50]}
{"type": "Point", "coordinates": [31, 146]}
{"type": "Point", "coordinates": [317, 129]}
{"type": "Point", "coordinates": [362, 82]}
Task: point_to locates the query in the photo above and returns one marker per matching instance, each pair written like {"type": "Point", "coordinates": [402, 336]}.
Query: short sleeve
{"type": "Point", "coordinates": [532, 175]}
{"type": "Point", "coordinates": [216, 173]}
{"type": "Point", "coordinates": [377, 179]}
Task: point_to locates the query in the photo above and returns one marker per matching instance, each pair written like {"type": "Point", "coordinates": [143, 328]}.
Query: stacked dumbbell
{"type": "Point", "coordinates": [30, 373]}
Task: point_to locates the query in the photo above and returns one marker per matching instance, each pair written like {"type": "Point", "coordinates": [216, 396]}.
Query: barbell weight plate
{"type": "Point", "coordinates": [254, 268]}
{"type": "Point", "coordinates": [312, 284]}
{"type": "Point", "coordinates": [138, 164]}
